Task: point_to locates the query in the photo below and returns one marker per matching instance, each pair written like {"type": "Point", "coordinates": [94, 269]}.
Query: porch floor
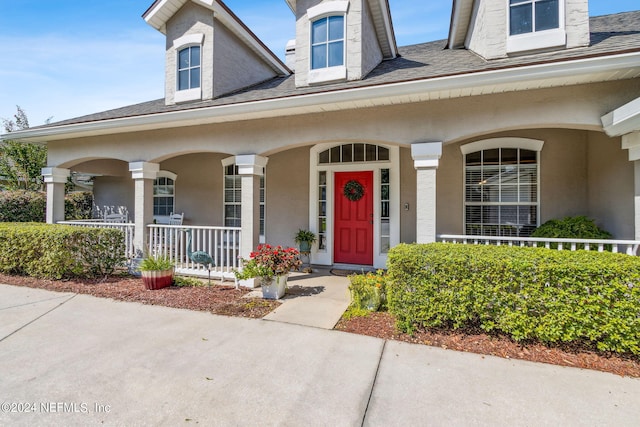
{"type": "Point", "coordinates": [315, 299]}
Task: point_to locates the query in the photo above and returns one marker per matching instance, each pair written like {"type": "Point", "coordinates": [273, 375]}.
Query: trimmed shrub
{"type": "Point", "coordinates": [577, 227]}
{"type": "Point", "coordinates": [368, 291]}
{"type": "Point", "coordinates": [22, 206]}
{"type": "Point", "coordinates": [58, 251]}
{"type": "Point", "coordinates": [78, 205]}
{"type": "Point", "coordinates": [527, 293]}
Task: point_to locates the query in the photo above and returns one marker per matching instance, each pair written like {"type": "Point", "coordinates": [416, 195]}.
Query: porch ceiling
{"type": "Point", "coordinates": [546, 75]}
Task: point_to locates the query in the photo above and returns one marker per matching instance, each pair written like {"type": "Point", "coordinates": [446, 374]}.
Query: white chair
{"type": "Point", "coordinates": [116, 218]}
{"type": "Point", "coordinates": [176, 219]}
{"type": "Point", "coordinates": [173, 236]}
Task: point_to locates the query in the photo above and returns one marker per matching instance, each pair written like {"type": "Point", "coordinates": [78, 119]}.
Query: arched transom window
{"type": "Point", "coordinates": [350, 153]}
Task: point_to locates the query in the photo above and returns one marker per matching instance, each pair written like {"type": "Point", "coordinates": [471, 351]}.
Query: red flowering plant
{"type": "Point", "coordinates": [269, 261]}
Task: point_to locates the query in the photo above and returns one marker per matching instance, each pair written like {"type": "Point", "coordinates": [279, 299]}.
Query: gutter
{"type": "Point", "coordinates": [373, 96]}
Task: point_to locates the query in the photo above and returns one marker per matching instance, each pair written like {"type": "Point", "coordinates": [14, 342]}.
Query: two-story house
{"type": "Point", "coordinates": [529, 111]}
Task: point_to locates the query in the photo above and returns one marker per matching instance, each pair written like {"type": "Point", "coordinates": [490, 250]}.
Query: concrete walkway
{"type": "Point", "coordinates": [78, 360]}
{"type": "Point", "coordinates": [318, 299]}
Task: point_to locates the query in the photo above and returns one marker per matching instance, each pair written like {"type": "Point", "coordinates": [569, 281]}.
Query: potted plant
{"type": "Point", "coordinates": [271, 266]}
{"type": "Point", "coordinates": [304, 239]}
{"type": "Point", "coordinates": [157, 271]}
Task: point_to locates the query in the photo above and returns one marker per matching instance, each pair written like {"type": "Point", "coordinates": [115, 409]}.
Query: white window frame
{"type": "Point", "coordinates": [325, 257]}
{"type": "Point", "coordinates": [226, 163]}
{"type": "Point", "coordinates": [164, 219]}
{"type": "Point", "coordinates": [323, 11]}
{"type": "Point", "coordinates": [495, 143]}
{"type": "Point", "coordinates": [180, 44]}
{"type": "Point", "coordinates": [263, 200]}
{"type": "Point", "coordinates": [536, 40]}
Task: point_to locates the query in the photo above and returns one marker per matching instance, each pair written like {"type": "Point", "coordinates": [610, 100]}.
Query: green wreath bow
{"type": "Point", "coordinates": [353, 190]}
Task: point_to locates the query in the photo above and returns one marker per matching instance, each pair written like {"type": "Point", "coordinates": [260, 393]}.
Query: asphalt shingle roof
{"type": "Point", "coordinates": [610, 35]}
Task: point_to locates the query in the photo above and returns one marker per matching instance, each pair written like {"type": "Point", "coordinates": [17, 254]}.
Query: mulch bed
{"type": "Point", "coordinates": [382, 325]}
{"type": "Point", "coordinates": [217, 299]}
{"type": "Point", "coordinates": [228, 301]}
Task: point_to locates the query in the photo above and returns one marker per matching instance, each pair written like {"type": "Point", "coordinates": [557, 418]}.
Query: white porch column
{"type": "Point", "coordinates": [143, 173]}
{"type": "Point", "coordinates": [250, 168]}
{"type": "Point", "coordinates": [426, 158]}
{"type": "Point", "coordinates": [631, 142]}
{"type": "Point", "coordinates": [55, 179]}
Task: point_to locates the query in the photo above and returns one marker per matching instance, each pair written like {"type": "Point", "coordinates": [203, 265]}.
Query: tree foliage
{"type": "Point", "coordinates": [21, 163]}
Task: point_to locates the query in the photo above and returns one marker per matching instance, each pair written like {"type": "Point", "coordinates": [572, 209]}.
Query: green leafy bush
{"type": "Point", "coordinates": [577, 227]}
{"type": "Point", "coordinates": [188, 282]}
{"type": "Point", "coordinates": [22, 206]}
{"type": "Point", "coordinates": [78, 205]}
{"type": "Point", "coordinates": [156, 263]}
{"type": "Point", "coordinates": [368, 291]}
{"type": "Point", "coordinates": [57, 251]}
{"type": "Point", "coordinates": [527, 293]}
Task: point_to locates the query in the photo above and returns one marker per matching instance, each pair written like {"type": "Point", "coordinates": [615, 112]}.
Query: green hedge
{"type": "Point", "coordinates": [58, 251]}
{"type": "Point", "coordinates": [528, 293]}
{"type": "Point", "coordinates": [30, 206]}
{"type": "Point", "coordinates": [22, 206]}
{"type": "Point", "coordinates": [78, 205]}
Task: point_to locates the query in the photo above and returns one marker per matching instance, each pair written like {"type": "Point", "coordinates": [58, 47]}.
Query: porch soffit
{"type": "Point", "coordinates": [557, 74]}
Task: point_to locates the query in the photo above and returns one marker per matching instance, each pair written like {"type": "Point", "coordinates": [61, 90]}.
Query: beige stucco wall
{"type": "Point", "coordinates": [407, 195]}
{"type": "Point", "coordinates": [488, 31]}
{"type": "Point", "coordinates": [454, 120]}
{"type": "Point", "coordinates": [190, 19]}
{"type": "Point", "coordinates": [113, 188]}
{"type": "Point", "coordinates": [566, 116]}
{"type": "Point", "coordinates": [235, 66]}
{"type": "Point", "coordinates": [227, 63]}
{"type": "Point", "coordinates": [611, 185]}
{"type": "Point", "coordinates": [449, 191]}
{"type": "Point", "coordinates": [199, 187]}
{"type": "Point", "coordinates": [111, 194]}
{"type": "Point", "coordinates": [581, 173]}
{"type": "Point", "coordinates": [287, 195]}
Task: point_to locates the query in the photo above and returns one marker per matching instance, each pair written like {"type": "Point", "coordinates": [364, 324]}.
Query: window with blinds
{"type": "Point", "coordinates": [501, 192]}
{"type": "Point", "coordinates": [233, 199]}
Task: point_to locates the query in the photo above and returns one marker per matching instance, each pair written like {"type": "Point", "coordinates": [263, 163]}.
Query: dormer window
{"type": "Point", "coordinates": [528, 16]}
{"type": "Point", "coordinates": [535, 25]}
{"type": "Point", "coordinates": [188, 51]}
{"type": "Point", "coordinates": [189, 68]}
{"type": "Point", "coordinates": [327, 42]}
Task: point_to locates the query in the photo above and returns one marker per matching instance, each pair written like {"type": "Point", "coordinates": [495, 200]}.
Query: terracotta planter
{"type": "Point", "coordinates": [275, 287]}
{"type": "Point", "coordinates": [157, 279]}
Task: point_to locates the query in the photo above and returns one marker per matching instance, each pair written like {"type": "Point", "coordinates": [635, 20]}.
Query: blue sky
{"type": "Point", "coordinates": [68, 58]}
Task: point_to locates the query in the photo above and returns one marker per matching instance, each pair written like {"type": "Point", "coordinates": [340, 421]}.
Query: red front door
{"type": "Point", "coordinates": [353, 237]}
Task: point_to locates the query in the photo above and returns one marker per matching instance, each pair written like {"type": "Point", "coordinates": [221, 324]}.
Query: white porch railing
{"type": "Point", "coordinates": [630, 247]}
{"type": "Point", "coordinates": [128, 229]}
{"type": "Point", "coordinates": [221, 243]}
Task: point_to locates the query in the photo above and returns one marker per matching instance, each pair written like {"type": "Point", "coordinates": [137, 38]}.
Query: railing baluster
{"type": "Point", "coordinates": [617, 246]}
